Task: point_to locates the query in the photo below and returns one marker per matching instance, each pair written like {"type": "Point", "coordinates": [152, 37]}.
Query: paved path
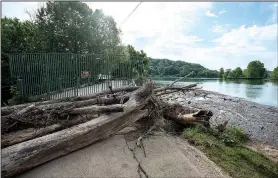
{"type": "Point", "coordinates": [166, 156]}
{"type": "Point", "coordinates": [90, 89]}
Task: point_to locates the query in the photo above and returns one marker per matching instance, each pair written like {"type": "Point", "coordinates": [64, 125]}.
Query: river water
{"type": "Point", "coordinates": [259, 91]}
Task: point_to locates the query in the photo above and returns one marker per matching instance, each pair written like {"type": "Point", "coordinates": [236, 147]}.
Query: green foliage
{"type": "Point", "coordinates": [225, 149]}
{"type": "Point", "coordinates": [5, 78]}
{"type": "Point", "coordinates": [238, 72]}
{"type": "Point", "coordinates": [17, 36]}
{"type": "Point", "coordinates": [165, 67]}
{"type": "Point", "coordinates": [274, 73]}
{"type": "Point", "coordinates": [74, 27]}
{"type": "Point", "coordinates": [221, 73]}
{"type": "Point", "coordinates": [245, 72]}
{"type": "Point", "coordinates": [16, 97]}
{"type": "Point", "coordinates": [255, 69]}
{"type": "Point", "coordinates": [233, 136]}
{"type": "Point", "coordinates": [132, 64]}
{"type": "Point", "coordinates": [66, 27]}
{"type": "Point", "coordinates": [226, 73]}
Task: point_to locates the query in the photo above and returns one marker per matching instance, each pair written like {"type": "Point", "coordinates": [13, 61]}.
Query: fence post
{"type": "Point", "coordinates": [77, 74]}
{"type": "Point", "coordinates": [60, 84]}
{"type": "Point", "coordinates": [47, 77]}
{"type": "Point", "coordinates": [20, 87]}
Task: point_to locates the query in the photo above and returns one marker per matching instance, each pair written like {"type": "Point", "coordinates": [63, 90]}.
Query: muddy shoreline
{"type": "Point", "coordinates": [259, 121]}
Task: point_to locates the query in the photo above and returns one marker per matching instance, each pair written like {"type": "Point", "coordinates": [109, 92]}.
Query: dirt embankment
{"type": "Point", "coordinates": [260, 122]}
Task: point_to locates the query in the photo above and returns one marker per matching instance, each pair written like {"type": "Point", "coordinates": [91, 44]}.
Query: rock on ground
{"type": "Point", "coordinates": [259, 121]}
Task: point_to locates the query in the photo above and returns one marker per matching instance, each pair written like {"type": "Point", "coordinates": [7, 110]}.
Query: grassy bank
{"type": "Point", "coordinates": [226, 150]}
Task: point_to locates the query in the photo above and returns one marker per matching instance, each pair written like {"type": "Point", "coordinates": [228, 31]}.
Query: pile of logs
{"type": "Point", "coordinates": [34, 133]}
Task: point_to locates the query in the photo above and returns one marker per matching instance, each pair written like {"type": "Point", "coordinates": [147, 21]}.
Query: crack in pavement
{"type": "Point", "coordinates": [139, 165]}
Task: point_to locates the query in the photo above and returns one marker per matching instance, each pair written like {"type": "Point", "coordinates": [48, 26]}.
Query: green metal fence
{"type": "Point", "coordinates": [54, 76]}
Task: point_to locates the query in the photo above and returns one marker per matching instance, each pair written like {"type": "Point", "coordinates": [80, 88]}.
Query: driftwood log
{"type": "Point", "coordinates": [30, 133]}
{"type": "Point", "coordinates": [186, 115]}
{"type": "Point", "coordinates": [26, 155]}
{"type": "Point", "coordinates": [39, 132]}
{"type": "Point", "coordinates": [10, 109]}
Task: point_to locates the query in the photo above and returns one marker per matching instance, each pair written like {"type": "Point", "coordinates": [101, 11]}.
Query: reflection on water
{"type": "Point", "coordinates": [253, 92]}
{"type": "Point", "coordinates": [275, 82]}
{"type": "Point", "coordinates": [260, 91]}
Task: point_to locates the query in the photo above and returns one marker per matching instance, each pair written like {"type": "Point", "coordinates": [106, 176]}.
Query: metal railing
{"type": "Point", "coordinates": [56, 75]}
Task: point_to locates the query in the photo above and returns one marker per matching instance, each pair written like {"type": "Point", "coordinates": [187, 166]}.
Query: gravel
{"type": "Point", "coordinates": [259, 121]}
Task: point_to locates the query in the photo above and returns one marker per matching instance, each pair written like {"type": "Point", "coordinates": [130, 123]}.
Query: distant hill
{"type": "Point", "coordinates": [169, 68]}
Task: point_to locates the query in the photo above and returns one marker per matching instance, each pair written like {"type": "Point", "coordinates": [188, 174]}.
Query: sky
{"type": "Point", "coordinates": [213, 34]}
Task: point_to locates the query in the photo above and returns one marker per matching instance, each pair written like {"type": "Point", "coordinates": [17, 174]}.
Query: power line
{"type": "Point", "coordinates": [131, 13]}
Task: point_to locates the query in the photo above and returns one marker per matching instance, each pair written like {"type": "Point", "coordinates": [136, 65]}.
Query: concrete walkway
{"type": "Point", "coordinates": [118, 156]}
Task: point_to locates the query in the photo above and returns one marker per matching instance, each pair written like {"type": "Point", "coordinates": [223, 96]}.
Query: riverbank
{"type": "Point", "coordinates": [227, 149]}
{"type": "Point", "coordinates": [259, 121]}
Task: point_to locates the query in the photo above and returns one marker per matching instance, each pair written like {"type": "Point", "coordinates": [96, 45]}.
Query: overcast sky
{"type": "Point", "coordinates": [213, 34]}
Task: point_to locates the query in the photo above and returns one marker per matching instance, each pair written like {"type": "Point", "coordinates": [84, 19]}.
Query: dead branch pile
{"type": "Point", "coordinates": [32, 134]}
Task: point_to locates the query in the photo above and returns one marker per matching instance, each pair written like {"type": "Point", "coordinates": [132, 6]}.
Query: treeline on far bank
{"type": "Point", "coordinates": [254, 70]}
{"type": "Point", "coordinates": [169, 68]}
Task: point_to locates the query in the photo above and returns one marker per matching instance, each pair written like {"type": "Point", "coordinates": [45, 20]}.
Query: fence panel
{"type": "Point", "coordinates": [55, 75]}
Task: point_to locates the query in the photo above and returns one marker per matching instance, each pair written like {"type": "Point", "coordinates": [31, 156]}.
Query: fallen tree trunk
{"type": "Point", "coordinates": [181, 79]}
{"type": "Point", "coordinates": [34, 116]}
{"type": "Point", "coordinates": [175, 88]}
{"type": "Point", "coordinates": [82, 101]}
{"type": "Point", "coordinates": [140, 103]}
{"type": "Point", "coordinates": [23, 156]}
{"type": "Point", "coordinates": [10, 109]}
{"type": "Point", "coordinates": [98, 109]}
{"type": "Point", "coordinates": [185, 115]}
{"type": "Point", "coordinates": [27, 134]}
{"type": "Point", "coordinates": [79, 104]}
{"type": "Point", "coordinates": [31, 133]}
{"type": "Point", "coordinates": [26, 155]}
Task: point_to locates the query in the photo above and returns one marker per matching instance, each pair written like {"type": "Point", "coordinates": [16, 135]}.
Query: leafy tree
{"type": "Point", "coordinates": [226, 73]}
{"type": "Point", "coordinates": [74, 27]}
{"type": "Point", "coordinates": [171, 71]}
{"type": "Point", "coordinates": [231, 74]}
{"type": "Point", "coordinates": [255, 69]}
{"type": "Point", "coordinates": [132, 63]}
{"type": "Point", "coordinates": [66, 27]}
{"type": "Point", "coordinates": [16, 37]}
{"type": "Point", "coordinates": [237, 72]}
{"type": "Point", "coordinates": [221, 73]}
{"type": "Point", "coordinates": [274, 73]}
{"type": "Point", "coordinates": [139, 60]}
{"type": "Point", "coordinates": [245, 72]}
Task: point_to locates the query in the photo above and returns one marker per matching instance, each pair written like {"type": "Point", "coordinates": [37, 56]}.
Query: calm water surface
{"type": "Point", "coordinates": [260, 91]}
